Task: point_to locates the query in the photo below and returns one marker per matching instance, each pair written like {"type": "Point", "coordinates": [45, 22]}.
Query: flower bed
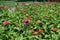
{"type": "Point", "coordinates": [30, 21]}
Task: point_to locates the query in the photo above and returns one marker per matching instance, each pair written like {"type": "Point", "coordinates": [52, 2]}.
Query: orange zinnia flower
{"type": "Point", "coordinates": [41, 30]}
{"type": "Point", "coordinates": [32, 31]}
{"type": "Point", "coordinates": [35, 33]}
{"type": "Point", "coordinates": [54, 29]}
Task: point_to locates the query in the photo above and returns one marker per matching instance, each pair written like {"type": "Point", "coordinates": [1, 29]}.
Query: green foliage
{"type": "Point", "coordinates": [47, 13]}
{"type": "Point", "coordinates": [8, 0]}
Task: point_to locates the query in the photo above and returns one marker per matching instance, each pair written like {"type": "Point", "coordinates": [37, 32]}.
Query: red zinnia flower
{"type": "Point", "coordinates": [3, 7]}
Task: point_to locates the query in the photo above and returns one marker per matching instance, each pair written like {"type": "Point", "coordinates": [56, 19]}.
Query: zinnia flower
{"type": "Point", "coordinates": [26, 21]}
{"type": "Point", "coordinates": [41, 30]}
{"type": "Point", "coordinates": [6, 22]}
{"type": "Point", "coordinates": [35, 32]}
{"type": "Point", "coordinates": [54, 29]}
{"type": "Point", "coordinates": [2, 7]}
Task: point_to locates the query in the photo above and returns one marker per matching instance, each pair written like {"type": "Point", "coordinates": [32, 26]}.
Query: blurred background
{"type": "Point", "coordinates": [33, 0]}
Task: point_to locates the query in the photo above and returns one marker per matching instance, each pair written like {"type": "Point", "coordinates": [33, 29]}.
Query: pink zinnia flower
{"type": "Point", "coordinates": [29, 21]}
{"type": "Point", "coordinates": [6, 22]}
{"type": "Point", "coordinates": [26, 21]}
